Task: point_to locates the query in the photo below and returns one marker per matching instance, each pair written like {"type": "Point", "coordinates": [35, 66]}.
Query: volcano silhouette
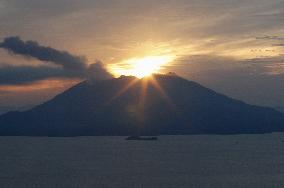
{"type": "Point", "coordinates": [161, 104]}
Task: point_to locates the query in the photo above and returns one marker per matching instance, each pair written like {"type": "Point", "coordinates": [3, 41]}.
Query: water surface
{"type": "Point", "coordinates": [172, 161]}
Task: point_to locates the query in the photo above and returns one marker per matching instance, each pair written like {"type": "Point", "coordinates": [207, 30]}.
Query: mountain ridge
{"type": "Point", "coordinates": [170, 105]}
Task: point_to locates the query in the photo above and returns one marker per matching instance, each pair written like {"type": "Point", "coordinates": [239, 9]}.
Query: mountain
{"type": "Point", "coordinates": [163, 104]}
{"type": "Point", "coordinates": [4, 109]}
{"type": "Point", "coordinates": [281, 109]}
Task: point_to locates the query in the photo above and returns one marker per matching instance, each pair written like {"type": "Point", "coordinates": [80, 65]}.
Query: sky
{"type": "Point", "coordinates": [235, 47]}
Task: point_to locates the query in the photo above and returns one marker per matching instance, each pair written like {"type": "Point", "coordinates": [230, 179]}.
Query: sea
{"type": "Point", "coordinates": [201, 161]}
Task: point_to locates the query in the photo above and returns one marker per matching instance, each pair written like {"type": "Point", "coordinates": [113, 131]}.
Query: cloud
{"type": "Point", "coordinates": [27, 74]}
{"type": "Point", "coordinates": [279, 45]}
{"type": "Point", "coordinates": [268, 37]}
{"type": "Point", "coordinates": [67, 65]}
{"type": "Point", "coordinates": [197, 65]}
{"type": "Point", "coordinates": [97, 71]}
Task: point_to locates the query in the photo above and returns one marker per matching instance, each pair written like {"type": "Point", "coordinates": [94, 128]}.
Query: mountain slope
{"type": "Point", "coordinates": [169, 105]}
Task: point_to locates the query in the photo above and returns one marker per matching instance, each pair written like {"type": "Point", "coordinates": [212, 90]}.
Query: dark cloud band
{"type": "Point", "coordinates": [10, 75]}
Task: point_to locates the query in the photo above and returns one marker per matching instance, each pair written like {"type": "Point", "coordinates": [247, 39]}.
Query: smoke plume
{"type": "Point", "coordinates": [69, 65]}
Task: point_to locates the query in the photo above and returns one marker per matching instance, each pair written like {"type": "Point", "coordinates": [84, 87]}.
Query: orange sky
{"type": "Point", "coordinates": [214, 42]}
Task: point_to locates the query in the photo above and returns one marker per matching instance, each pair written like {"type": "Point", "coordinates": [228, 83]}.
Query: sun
{"type": "Point", "coordinates": [141, 67]}
{"type": "Point", "coordinates": [147, 65]}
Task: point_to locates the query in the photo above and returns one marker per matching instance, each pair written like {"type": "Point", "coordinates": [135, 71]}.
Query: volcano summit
{"type": "Point", "coordinates": [160, 104]}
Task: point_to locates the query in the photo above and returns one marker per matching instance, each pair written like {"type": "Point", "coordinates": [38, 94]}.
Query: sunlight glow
{"type": "Point", "coordinates": [144, 83]}
{"type": "Point", "coordinates": [141, 67]}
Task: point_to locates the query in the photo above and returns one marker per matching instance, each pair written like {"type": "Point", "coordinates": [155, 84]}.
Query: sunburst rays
{"type": "Point", "coordinates": [144, 84]}
{"type": "Point", "coordinates": [123, 89]}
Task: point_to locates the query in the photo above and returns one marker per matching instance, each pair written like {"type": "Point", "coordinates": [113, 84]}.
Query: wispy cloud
{"type": "Point", "coordinates": [268, 37]}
